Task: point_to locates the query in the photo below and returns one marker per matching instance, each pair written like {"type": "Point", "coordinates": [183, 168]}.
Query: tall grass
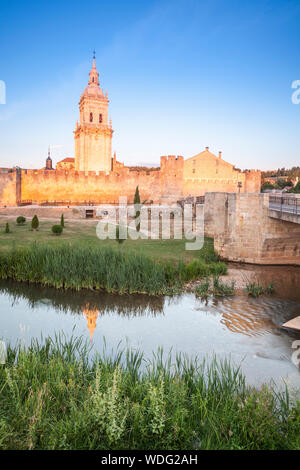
{"type": "Point", "coordinates": [105, 268]}
{"type": "Point", "coordinates": [52, 397]}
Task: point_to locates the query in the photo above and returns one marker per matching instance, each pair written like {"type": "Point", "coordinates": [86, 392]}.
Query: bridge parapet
{"type": "Point", "coordinates": [285, 208]}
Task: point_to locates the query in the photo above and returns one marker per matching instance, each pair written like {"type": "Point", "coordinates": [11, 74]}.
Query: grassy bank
{"type": "Point", "coordinates": [53, 398]}
{"type": "Point", "coordinates": [107, 268]}
{"type": "Point", "coordinates": [84, 233]}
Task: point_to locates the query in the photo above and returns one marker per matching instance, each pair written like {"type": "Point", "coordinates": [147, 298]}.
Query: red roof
{"type": "Point", "coordinates": [71, 160]}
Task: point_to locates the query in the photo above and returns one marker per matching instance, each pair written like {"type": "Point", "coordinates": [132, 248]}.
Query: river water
{"type": "Point", "coordinates": [246, 329]}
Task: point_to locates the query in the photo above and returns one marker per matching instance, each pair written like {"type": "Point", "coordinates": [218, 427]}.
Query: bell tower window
{"type": "Point", "coordinates": [91, 117]}
{"type": "Point", "coordinates": [100, 118]}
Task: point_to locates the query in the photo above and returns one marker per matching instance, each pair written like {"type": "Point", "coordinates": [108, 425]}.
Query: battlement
{"type": "Point", "coordinates": [171, 162]}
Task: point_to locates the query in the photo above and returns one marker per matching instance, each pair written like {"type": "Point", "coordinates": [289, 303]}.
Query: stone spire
{"type": "Point", "coordinates": [94, 75]}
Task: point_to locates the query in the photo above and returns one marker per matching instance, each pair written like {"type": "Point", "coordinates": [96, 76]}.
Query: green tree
{"type": "Point", "coordinates": [267, 185]}
{"type": "Point", "coordinates": [35, 223]}
{"type": "Point", "coordinates": [62, 220]}
{"type": "Point", "coordinates": [7, 230]}
{"type": "Point", "coordinates": [137, 206]}
{"type": "Point", "coordinates": [119, 240]}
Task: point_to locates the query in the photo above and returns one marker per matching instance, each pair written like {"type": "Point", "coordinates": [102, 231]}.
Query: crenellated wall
{"type": "Point", "coordinates": [167, 184]}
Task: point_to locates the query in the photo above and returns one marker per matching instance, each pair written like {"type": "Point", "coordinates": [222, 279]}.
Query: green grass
{"type": "Point", "coordinates": [78, 259]}
{"type": "Point", "coordinates": [216, 288]}
{"type": "Point", "coordinates": [255, 289]}
{"type": "Point", "coordinates": [53, 397]}
{"type": "Point", "coordinates": [111, 269]}
{"type": "Point", "coordinates": [84, 232]}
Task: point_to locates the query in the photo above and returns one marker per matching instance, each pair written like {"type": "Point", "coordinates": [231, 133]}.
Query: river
{"type": "Point", "coordinates": [245, 329]}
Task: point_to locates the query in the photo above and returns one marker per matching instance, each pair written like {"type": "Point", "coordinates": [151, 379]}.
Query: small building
{"type": "Point", "coordinates": [66, 164]}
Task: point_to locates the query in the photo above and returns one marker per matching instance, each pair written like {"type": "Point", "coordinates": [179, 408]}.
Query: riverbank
{"type": "Point", "coordinates": [54, 398]}
{"type": "Point", "coordinates": [102, 268]}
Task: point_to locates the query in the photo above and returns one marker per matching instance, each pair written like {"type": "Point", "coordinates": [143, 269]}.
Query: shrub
{"type": "Point", "coordinates": [137, 206]}
{"type": "Point", "coordinates": [21, 220]}
{"type": "Point", "coordinates": [57, 229]}
{"type": "Point", "coordinates": [7, 229]}
{"type": "Point", "coordinates": [35, 223]}
{"type": "Point", "coordinates": [62, 220]}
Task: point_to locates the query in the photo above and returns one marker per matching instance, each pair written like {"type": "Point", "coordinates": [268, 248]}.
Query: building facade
{"type": "Point", "coordinates": [93, 133]}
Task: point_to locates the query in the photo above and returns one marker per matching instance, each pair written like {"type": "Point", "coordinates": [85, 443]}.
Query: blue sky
{"type": "Point", "coordinates": [180, 75]}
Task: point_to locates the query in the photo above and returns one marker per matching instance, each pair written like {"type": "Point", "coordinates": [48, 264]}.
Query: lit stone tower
{"type": "Point", "coordinates": [93, 134]}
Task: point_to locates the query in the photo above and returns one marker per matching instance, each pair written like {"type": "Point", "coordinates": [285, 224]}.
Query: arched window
{"type": "Point", "coordinates": [100, 117]}
{"type": "Point", "coordinates": [91, 117]}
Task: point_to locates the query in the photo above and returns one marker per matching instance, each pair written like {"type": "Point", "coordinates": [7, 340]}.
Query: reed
{"type": "Point", "coordinates": [53, 397]}
{"type": "Point", "coordinates": [113, 270]}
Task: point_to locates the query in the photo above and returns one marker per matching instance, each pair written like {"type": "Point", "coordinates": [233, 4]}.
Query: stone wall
{"type": "Point", "coordinates": [244, 232]}
{"type": "Point", "coordinates": [167, 184]}
{"type": "Point", "coordinates": [9, 187]}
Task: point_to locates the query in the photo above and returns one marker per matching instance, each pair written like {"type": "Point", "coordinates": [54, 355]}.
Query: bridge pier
{"type": "Point", "coordinates": [245, 231]}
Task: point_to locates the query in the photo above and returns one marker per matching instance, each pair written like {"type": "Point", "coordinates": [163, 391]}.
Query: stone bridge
{"type": "Point", "coordinates": [253, 227]}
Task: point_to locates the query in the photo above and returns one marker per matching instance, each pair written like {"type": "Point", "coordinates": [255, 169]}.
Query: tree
{"type": "Point", "coordinates": [137, 206]}
{"type": "Point", "coordinates": [119, 240]}
{"type": "Point", "coordinates": [35, 223]}
{"type": "Point", "coordinates": [7, 230]}
{"type": "Point", "coordinates": [267, 185]}
{"type": "Point", "coordinates": [62, 220]}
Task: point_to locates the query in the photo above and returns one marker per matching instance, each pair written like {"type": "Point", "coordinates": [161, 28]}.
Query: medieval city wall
{"type": "Point", "coordinates": [73, 187]}
{"type": "Point", "coordinates": [8, 187]}
{"type": "Point", "coordinates": [164, 185]}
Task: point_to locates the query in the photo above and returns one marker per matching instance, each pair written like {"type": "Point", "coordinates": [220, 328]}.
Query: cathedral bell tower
{"type": "Point", "coordinates": [93, 134]}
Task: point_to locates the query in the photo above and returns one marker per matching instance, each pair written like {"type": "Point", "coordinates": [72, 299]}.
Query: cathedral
{"type": "Point", "coordinates": [95, 177]}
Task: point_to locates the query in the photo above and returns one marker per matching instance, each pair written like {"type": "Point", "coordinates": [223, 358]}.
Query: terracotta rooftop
{"type": "Point", "coordinates": [68, 159]}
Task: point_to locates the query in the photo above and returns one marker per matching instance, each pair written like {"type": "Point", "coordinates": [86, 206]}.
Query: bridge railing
{"type": "Point", "coordinates": [287, 204]}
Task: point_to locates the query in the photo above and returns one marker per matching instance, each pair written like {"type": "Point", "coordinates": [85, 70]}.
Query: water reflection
{"type": "Point", "coordinates": [249, 316]}
{"type": "Point", "coordinates": [84, 300]}
{"type": "Point", "coordinates": [246, 329]}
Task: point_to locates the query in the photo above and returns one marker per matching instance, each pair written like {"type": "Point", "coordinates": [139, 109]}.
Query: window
{"type": "Point", "coordinates": [194, 171]}
{"type": "Point", "coordinates": [91, 117]}
{"type": "Point", "coordinates": [100, 117]}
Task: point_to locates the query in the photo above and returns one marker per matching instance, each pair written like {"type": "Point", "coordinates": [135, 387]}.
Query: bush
{"type": "Point", "coordinates": [7, 230]}
{"type": "Point", "coordinates": [35, 223]}
{"type": "Point", "coordinates": [62, 220]}
{"type": "Point", "coordinates": [57, 229]}
{"type": "Point", "coordinates": [21, 220]}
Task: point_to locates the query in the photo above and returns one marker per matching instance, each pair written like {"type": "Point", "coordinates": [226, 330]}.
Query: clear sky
{"type": "Point", "coordinates": [180, 75]}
